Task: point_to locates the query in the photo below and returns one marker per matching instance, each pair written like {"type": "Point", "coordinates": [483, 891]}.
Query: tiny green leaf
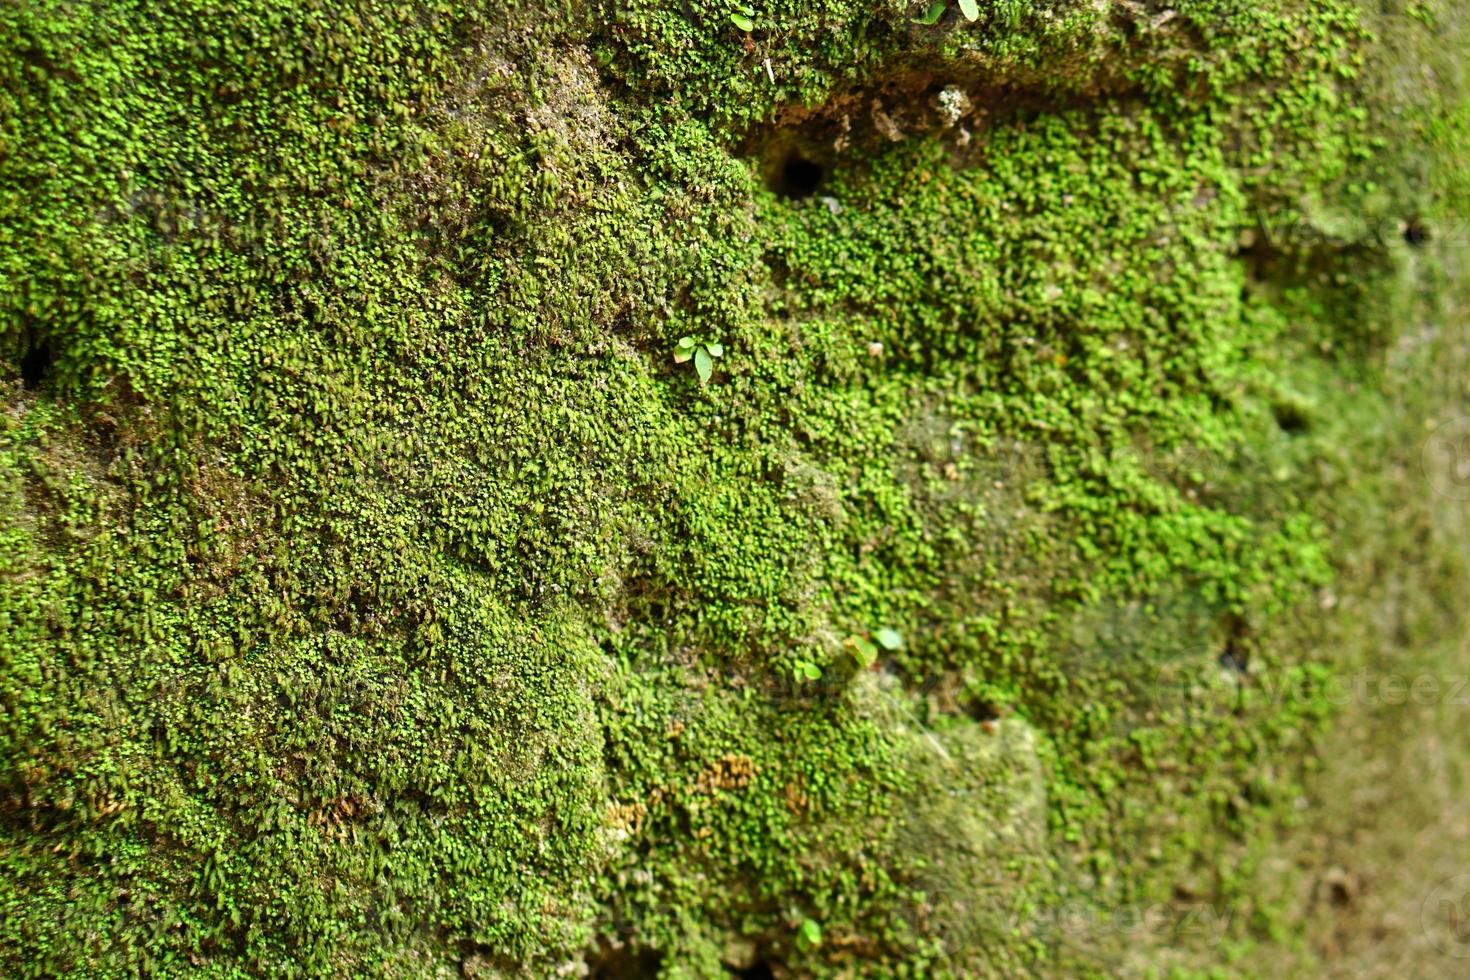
{"type": "Point", "coordinates": [743, 22]}
{"type": "Point", "coordinates": [862, 651]}
{"type": "Point", "coordinates": [932, 15]}
{"type": "Point", "coordinates": [681, 355]}
{"type": "Point", "coordinates": [811, 933]}
{"type": "Point", "coordinates": [970, 9]}
{"type": "Point", "coordinates": [703, 364]}
{"type": "Point", "coordinates": [686, 343]}
{"type": "Point", "coordinates": [889, 639]}
{"type": "Point", "coordinates": [715, 350]}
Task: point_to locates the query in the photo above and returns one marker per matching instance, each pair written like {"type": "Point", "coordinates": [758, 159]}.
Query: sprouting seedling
{"type": "Point", "coordinates": [865, 650]}
{"type": "Point", "coordinates": [970, 9]}
{"type": "Point", "coordinates": [743, 17]}
{"type": "Point", "coordinates": [932, 15]}
{"type": "Point", "coordinates": [810, 934]}
{"type": "Point", "coordinates": [806, 670]}
{"type": "Point", "coordinates": [703, 353]}
{"type": "Point", "coordinates": [862, 650]}
{"type": "Point", "coordinates": [889, 639]}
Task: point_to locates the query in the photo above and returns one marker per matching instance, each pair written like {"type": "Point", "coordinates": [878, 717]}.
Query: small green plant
{"type": "Point", "coordinates": [743, 17]}
{"type": "Point", "coordinates": [865, 650]}
{"type": "Point", "coordinates": [702, 353]}
{"type": "Point", "coordinates": [970, 9]}
{"type": "Point", "coordinates": [805, 670]}
{"type": "Point", "coordinates": [862, 650]}
{"type": "Point", "coordinates": [932, 15]}
{"type": "Point", "coordinates": [810, 934]}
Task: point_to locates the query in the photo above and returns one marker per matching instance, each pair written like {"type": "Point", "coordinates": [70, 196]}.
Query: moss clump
{"type": "Point", "coordinates": [380, 598]}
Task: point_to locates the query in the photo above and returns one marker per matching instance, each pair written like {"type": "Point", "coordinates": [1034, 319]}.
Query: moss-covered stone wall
{"type": "Point", "coordinates": [381, 596]}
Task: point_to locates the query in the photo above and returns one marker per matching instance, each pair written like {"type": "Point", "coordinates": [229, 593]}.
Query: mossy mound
{"type": "Point", "coordinates": [379, 596]}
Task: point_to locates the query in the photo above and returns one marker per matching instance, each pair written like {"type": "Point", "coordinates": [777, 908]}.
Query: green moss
{"type": "Point", "coordinates": [379, 598]}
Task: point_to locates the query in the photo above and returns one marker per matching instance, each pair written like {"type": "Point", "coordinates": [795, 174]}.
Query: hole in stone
{"type": "Point", "coordinates": [759, 970]}
{"type": "Point", "coordinates": [1234, 660]}
{"type": "Point", "coordinates": [1290, 418]}
{"type": "Point", "coordinates": [1415, 233]}
{"type": "Point", "coordinates": [796, 177]}
{"type": "Point", "coordinates": [36, 363]}
{"type": "Point", "coordinates": [982, 710]}
{"type": "Point", "coordinates": [1236, 655]}
{"type": "Point", "coordinates": [780, 271]}
{"type": "Point", "coordinates": [626, 964]}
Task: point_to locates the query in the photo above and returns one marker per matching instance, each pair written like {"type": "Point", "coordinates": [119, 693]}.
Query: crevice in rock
{"type": "Point", "coordinates": [800, 147]}
{"type": "Point", "coordinates": [1416, 233]}
{"type": "Point", "coordinates": [36, 362]}
{"type": "Point", "coordinates": [794, 176]}
{"type": "Point", "coordinates": [626, 963]}
{"type": "Point", "coordinates": [1290, 418]}
{"type": "Point", "coordinates": [759, 970]}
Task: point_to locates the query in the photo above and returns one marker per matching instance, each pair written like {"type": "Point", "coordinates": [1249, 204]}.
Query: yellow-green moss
{"type": "Point", "coordinates": [379, 597]}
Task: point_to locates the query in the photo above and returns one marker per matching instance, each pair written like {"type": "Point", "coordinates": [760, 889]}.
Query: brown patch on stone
{"type": "Point", "coordinates": [729, 772]}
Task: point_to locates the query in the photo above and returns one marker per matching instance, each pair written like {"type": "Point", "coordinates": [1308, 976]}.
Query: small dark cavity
{"type": "Point", "coordinates": [796, 178]}
{"type": "Point", "coordinates": [626, 964]}
{"type": "Point", "coordinates": [1337, 887]}
{"type": "Point", "coordinates": [982, 710]}
{"type": "Point", "coordinates": [1416, 233]}
{"type": "Point", "coordinates": [759, 970]}
{"type": "Point", "coordinates": [36, 363]}
{"type": "Point", "coordinates": [1236, 655]}
{"type": "Point", "coordinates": [1290, 418]}
{"type": "Point", "coordinates": [1234, 660]}
{"type": "Point", "coordinates": [780, 273]}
